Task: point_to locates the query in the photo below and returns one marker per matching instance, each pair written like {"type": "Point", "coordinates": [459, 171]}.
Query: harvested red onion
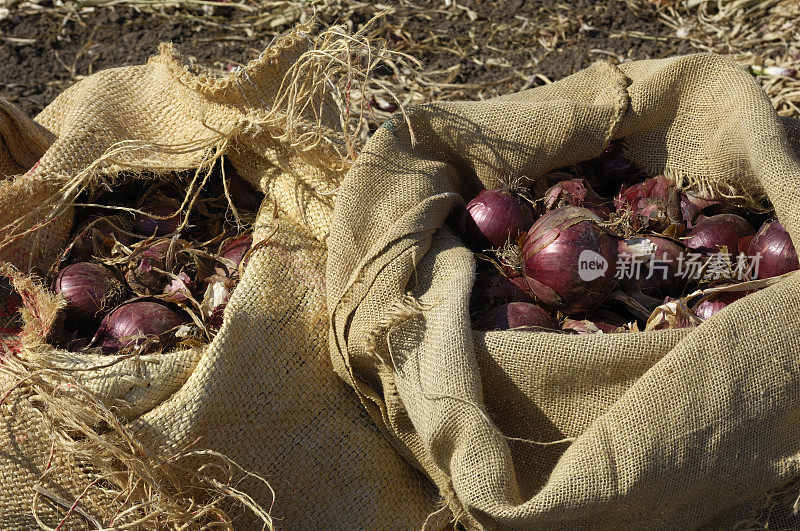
{"type": "Point", "coordinates": [90, 291]}
{"type": "Point", "coordinates": [161, 221]}
{"type": "Point", "coordinates": [235, 250]}
{"type": "Point", "coordinates": [493, 218]}
{"type": "Point", "coordinates": [713, 232]}
{"type": "Point", "coordinates": [518, 315]}
{"type": "Point", "coordinates": [662, 278]}
{"type": "Point", "coordinates": [710, 305]}
{"type": "Point", "coordinates": [569, 260]}
{"type": "Point", "coordinates": [243, 194]}
{"type": "Point", "coordinates": [491, 284]}
{"type": "Point", "coordinates": [777, 252]}
{"type": "Point", "coordinates": [692, 207]}
{"type": "Point", "coordinates": [95, 235]}
{"type": "Point", "coordinates": [133, 322]}
{"type": "Point", "coordinates": [143, 278]}
{"type": "Point", "coordinates": [653, 203]}
{"type": "Point", "coordinates": [576, 192]}
{"type": "Point", "coordinates": [179, 289]}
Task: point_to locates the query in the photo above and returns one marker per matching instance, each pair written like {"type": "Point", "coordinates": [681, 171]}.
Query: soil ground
{"type": "Point", "coordinates": [469, 49]}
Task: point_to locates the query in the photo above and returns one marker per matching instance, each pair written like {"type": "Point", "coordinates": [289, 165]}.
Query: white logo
{"type": "Point", "coordinates": [591, 265]}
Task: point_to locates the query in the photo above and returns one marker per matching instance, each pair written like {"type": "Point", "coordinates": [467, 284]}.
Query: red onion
{"type": "Point", "coordinates": [161, 221]}
{"type": "Point", "coordinates": [90, 291]}
{"type": "Point", "coordinates": [133, 322]}
{"type": "Point", "coordinates": [493, 218]}
{"type": "Point", "coordinates": [243, 194]}
{"type": "Point", "coordinates": [713, 232]}
{"type": "Point", "coordinates": [715, 302]}
{"type": "Point", "coordinates": [235, 250]}
{"type": "Point", "coordinates": [491, 284]}
{"type": "Point", "coordinates": [569, 260]}
{"type": "Point", "coordinates": [777, 252]}
{"type": "Point", "coordinates": [179, 289]}
{"type": "Point", "coordinates": [612, 165]}
{"type": "Point", "coordinates": [662, 279]}
{"type": "Point", "coordinates": [653, 203]}
{"type": "Point", "coordinates": [576, 192]}
{"type": "Point", "coordinates": [95, 235]}
{"type": "Point", "coordinates": [518, 315]}
{"type": "Point", "coordinates": [692, 207]}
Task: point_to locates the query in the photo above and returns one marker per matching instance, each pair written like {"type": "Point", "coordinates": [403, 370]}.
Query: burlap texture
{"type": "Point", "coordinates": [666, 429]}
{"type": "Point", "coordinates": [263, 393]}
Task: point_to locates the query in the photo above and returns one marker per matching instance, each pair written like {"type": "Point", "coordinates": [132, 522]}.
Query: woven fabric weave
{"type": "Point", "coordinates": [263, 393]}
{"type": "Point", "coordinates": [664, 429]}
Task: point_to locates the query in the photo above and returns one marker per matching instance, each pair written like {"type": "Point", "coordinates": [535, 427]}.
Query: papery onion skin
{"type": "Point", "coordinates": [722, 229]}
{"type": "Point", "coordinates": [576, 192]}
{"type": "Point", "coordinates": [90, 290]}
{"type": "Point", "coordinates": [518, 315]}
{"type": "Point", "coordinates": [654, 203]}
{"type": "Point", "coordinates": [493, 218]}
{"type": "Point", "coordinates": [153, 224]}
{"type": "Point", "coordinates": [131, 323]}
{"type": "Point", "coordinates": [552, 250]}
{"type": "Point", "coordinates": [585, 326]}
{"type": "Point", "coordinates": [715, 302]}
{"type": "Point", "coordinates": [664, 280]}
{"type": "Point", "coordinates": [777, 253]}
{"type": "Point", "coordinates": [692, 207]}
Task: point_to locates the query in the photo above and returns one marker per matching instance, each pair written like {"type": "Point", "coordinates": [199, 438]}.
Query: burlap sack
{"type": "Point", "coordinates": [665, 429]}
{"type": "Point", "coordinates": [149, 441]}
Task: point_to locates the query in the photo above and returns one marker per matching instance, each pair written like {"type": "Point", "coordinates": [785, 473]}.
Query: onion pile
{"type": "Point", "coordinates": [557, 257]}
{"type": "Point", "coordinates": [494, 217]}
{"type": "Point", "coordinates": [774, 250]}
{"type": "Point", "coordinates": [159, 278]}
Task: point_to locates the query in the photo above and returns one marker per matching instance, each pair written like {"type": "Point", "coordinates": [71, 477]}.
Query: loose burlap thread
{"type": "Point", "coordinates": [262, 395]}
{"type": "Point", "coordinates": [664, 429]}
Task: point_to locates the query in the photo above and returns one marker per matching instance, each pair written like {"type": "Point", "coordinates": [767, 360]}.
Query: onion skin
{"type": "Point", "coordinates": [654, 203]}
{"type": "Point", "coordinates": [778, 255]}
{"type": "Point", "coordinates": [722, 229]}
{"type": "Point", "coordinates": [131, 323]}
{"type": "Point", "coordinates": [588, 327]}
{"type": "Point", "coordinates": [518, 315]}
{"type": "Point", "coordinates": [95, 235]}
{"type": "Point", "coordinates": [693, 206]}
{"type": "Point", "coordinates": [153, 225]}
{"type": "Point", "coordinates": [551, 252]}
{"type": "Point", "coordinates": [715, 302]}
{"type": "Point", "coordinates": [90, 290]}
{"type": "Point", "coordinates": [664, 281]}
{"type": "Point", "coordinates": [493, 218]}
{"type": "Point", "coordinates": [576, 192]}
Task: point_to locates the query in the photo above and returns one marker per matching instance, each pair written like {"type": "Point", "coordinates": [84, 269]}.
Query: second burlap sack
{"type": "Point", "coordinates": [663, 429]}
